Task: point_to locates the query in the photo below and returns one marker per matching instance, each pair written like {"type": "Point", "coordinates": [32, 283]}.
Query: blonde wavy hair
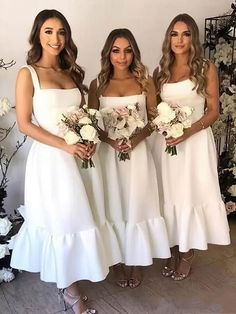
{"type": "Point", "coordinates": [137, 68]}
{"type": "Point", "coordinates": [198, 66]}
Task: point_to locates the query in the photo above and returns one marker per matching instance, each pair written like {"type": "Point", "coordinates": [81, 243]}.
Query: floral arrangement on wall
{"type": "Point", "coordinates": [9, 224]}
{"type": "Point", "coordinates": [220, 47]}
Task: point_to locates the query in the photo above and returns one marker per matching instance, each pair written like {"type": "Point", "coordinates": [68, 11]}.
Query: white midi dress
{"type": "Point", "coordinates": [65, 235]}
{"type": "Point", "coordinates": [131, 195]}
{"type": "Point", "coordinates": [188, 183]}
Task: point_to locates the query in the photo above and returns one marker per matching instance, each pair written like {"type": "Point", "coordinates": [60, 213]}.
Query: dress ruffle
{"type": "Point", "coordinates": [131, 195]}
{"type": "Point", "coordinates": [189, 190]}
{"type": "Point", "coordinates": [88, 253]}
{"type": "Point", "coordinates": [143, 241]}
{"type": "Point", "coordinates": [195, 226]}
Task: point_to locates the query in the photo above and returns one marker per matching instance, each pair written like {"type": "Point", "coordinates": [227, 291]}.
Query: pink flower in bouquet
{"type": "Point", "coordinates": [80, 126]}
{"type": "Point", "coordinates": [170, 121]}
{"type": "Point", "coordinates": [121, 123]}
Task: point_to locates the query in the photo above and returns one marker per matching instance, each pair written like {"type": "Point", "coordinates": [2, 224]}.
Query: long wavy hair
{"type": "Point", "coordinates": [67, 57]}
{"type": "Point", "coordinates": [136, 67]}
{"type": "Point", "coordinates": [196, 63]}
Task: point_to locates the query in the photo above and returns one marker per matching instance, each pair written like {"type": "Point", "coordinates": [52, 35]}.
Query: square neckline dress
{"type": "Point", "coordinates": [65, 236]}
{"type": "Point", "coordinates": [188, 182]}
{"type": "Point", "coordinates": [131, 195]}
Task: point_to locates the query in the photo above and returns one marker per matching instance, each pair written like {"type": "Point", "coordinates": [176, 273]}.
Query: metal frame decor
{"type": "Point", "coordinates": [220, 48]}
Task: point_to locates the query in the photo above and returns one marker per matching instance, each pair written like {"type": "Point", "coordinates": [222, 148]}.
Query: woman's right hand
{"type": "Point", "coordinates": [118, 146]}
{"type": "Point", "coordinates": [77, 150]}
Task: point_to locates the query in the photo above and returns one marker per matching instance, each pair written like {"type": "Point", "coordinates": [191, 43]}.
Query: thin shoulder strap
{"type": "Point", "coordinates": [34, 77]}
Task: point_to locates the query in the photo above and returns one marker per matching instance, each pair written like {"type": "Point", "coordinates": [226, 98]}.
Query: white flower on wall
{"type": "Point", "coordinates": [5, 106]}
{"type": "Point", "coordinates": [223, 53]}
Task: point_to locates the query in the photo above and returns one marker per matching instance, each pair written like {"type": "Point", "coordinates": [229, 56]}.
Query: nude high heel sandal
{"type": "Point", "coordinates": [187, 263]}
{"type": "Point", "coordinates": [69, 302]}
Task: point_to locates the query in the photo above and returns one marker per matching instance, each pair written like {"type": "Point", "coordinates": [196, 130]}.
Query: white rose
{"type": "Point", "coordinates": [166, 113]}
{"type": "Point", "coordinates": [131, 107]}
{"type": "Point", "coordinates": [6, 274]}
{"type": "Point", "coordinates": [88, 132]}
{"type": "Point", "coordinates": [165, 109]}
{"type": "Point", "coordinates": [95, 113]}
{"type": "Point", "coordinates": [72, 138]}
{"type": "Point", "coordinates": [112, 134]}
{"type": "Point", "coordinates": [5, 106]}
{"type": "Point", "coordinates": [187, 123]}
{"type": "Point", "coordinates": [98, 114]}
{"type": "Point", "coordinates": [232, 190]}
{"type": "Point", "coordinates": [132, 124]}
{"type": "Point", "coordinates": [121, 123]}
{"type": "Point", "coordinates": [106, 111]}
{"type": "Point", "coordinates": [85, 120]}
{"type": "Point", "coordinates": [176, 130]}
{"type": "Point", "coordinates": [157, 121]}
{"type": "Point", "coordinates": [140, 123]}
{"type": "Point", "coordinates": [92, 111]}
{"type": "Point", "coordinates": [5, 226]}
{"type": "Point", "coordinates": [123, 133]}
{"type": "Point", "coordinates": [186, 110]}
{"type": "Point", "coordinates": [4, 250]}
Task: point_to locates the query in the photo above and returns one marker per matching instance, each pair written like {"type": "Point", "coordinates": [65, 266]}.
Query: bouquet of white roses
{"type": "Point", "coordinates": [80, 126]}
{"type": "Point", "coordinates": [121, 123]}
{"type": "Point", "coordinates": [170, 121]}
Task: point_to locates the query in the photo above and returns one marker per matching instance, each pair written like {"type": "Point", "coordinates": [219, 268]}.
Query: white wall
{"type": "Point", "coordinates": [91, 21]}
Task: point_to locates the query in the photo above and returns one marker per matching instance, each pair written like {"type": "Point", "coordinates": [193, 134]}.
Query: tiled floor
{"type": "Point", "coordinates": [211, 288]}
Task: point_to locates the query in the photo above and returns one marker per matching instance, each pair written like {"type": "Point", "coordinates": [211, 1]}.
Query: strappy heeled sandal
{"type": "Point", "coordinates": [134, 280]}
{"type": "Point", "coordinates": [69, 301]}
{"type": "Point", "coordinates": [171, 265]}
{"type": "Point", "coordinates": [177, 275]}
{"type": "Point", "coordinates": [119, 269]}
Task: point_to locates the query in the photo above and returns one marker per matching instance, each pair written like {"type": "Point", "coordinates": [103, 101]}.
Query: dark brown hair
{"type": "Point", "coordinates": [67, 57]}
{"type": "Point", "coordinates": [136, 67]}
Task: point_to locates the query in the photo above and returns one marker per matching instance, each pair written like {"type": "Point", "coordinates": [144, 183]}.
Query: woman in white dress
{"type": "Point", "coordinates": [60, 237]}
{"type": "Point", "coordinates": [190, 196]}
{"type": "Point", "coordinates": [131, 198]}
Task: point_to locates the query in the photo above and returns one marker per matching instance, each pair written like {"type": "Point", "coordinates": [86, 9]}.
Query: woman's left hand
{"type": "Point", "coordinates": [91, 149]}
{"type": "Point", "coordinates": [170, 141]}
{"type": "Point", "coordinates": [125, 148]}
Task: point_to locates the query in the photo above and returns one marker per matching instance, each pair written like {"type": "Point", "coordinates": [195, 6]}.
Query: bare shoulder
{"type": "Point", "coordinates": [211, 69]}
{"type": "Point", "coordinates": [24, 83]}
{"type": "Point", "coordinates": [24, 75]}
{"type": "Point", "coordinates": [24, 72]}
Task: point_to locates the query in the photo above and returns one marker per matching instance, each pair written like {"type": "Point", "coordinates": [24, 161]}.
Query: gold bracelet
{"type": "Point", "coordinates": [202, 125]}
{"type": "Point", "coordinates": [150, 127]}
